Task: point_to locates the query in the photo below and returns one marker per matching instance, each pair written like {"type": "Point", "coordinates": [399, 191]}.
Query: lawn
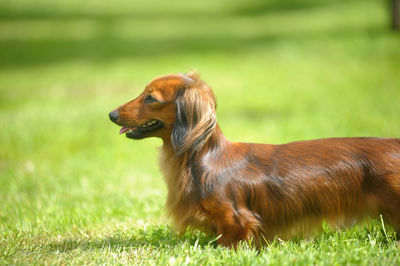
{"type": "Point", "coordinates": [72, 191]}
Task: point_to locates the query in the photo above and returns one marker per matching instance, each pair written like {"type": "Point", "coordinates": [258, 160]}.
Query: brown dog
{"type": "Point", "coordinates": [242, 190]}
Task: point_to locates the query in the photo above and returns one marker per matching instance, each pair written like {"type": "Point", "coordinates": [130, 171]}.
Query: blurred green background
{"type": "Point", "coordinates": [281, 70]}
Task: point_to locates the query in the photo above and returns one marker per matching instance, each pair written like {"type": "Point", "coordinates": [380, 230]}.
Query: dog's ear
{"type": "Point", "coordinates": [195, 118]}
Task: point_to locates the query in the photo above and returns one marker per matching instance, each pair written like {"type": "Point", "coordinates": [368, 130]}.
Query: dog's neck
{"type": "Point", "coordinates": [217, 140]}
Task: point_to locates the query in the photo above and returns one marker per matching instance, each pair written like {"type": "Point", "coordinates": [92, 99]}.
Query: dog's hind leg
{"type": "Point", "coordinates": [389, 202]}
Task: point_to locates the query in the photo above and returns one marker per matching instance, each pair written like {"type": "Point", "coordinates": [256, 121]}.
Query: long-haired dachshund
{"type": "Point", "coordinates": [244, 191]}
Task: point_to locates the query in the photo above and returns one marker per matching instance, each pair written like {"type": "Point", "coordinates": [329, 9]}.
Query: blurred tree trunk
{"type": "Point", "coordinates": [395, 14]}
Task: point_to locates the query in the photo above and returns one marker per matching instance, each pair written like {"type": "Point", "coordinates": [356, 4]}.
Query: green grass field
{"type": "Point", "coordinates": [72, 191]}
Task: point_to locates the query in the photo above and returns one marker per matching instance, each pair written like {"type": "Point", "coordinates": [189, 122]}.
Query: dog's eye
{"type": "Point", "coordinates": [150, 99]}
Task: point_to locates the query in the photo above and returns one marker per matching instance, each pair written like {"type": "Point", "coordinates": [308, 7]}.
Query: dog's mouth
{"type": "Point", "coordinates": [140, 131]}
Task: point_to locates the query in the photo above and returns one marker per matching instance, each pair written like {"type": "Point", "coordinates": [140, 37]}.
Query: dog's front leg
{"type": "Point", "coordinates": [231, 226]}
{"type": "Point", "coordinates": [231, 233]}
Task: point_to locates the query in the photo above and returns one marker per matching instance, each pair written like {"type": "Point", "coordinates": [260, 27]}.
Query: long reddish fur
{"type": "Point", "coordinates": [245, 191]}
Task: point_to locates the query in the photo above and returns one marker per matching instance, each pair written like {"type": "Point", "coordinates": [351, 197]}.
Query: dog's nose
{"type": "Point", "coordinates": [114, 115]}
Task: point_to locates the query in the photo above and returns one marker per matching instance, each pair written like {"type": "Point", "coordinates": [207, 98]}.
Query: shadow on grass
{"type": "Point", "coordinates": [106, 44]}
{"type": "Point", "coordinates": [22, 53]}
{"type": "Point", "coordinates": [255, 8]}
{"type": "Point", "coordinates": [161, 237]}
{"type": "Point", "coordinates": [154, 236]}
{"type": "Point", "coordinates": [238, 8]}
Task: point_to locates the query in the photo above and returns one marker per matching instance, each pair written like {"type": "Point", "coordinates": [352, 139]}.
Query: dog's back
{"type": "Point", "coordinates": [336, 179]}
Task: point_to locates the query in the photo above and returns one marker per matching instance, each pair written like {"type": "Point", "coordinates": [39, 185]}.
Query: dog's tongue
{"type": "Point", "coordinates": [123, 130]}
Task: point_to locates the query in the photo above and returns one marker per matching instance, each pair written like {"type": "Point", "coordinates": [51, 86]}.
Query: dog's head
{"type": "Point", "coordinates": [180, 108]}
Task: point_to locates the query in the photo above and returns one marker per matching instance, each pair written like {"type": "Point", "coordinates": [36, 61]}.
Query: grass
{"type": "Point", "coordinates": [73, 192]}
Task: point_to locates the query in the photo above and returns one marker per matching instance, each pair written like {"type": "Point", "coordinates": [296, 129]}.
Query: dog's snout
{"type": "Point", "coordinates": [114, 115]}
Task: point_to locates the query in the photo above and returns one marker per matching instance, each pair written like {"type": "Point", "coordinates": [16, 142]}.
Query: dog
{"type": "Point", "coordinates": [257, 192]}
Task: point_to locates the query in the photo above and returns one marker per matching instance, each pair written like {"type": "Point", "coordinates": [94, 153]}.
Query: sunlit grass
{"type": "Point", "coordinates": [73, 191]}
